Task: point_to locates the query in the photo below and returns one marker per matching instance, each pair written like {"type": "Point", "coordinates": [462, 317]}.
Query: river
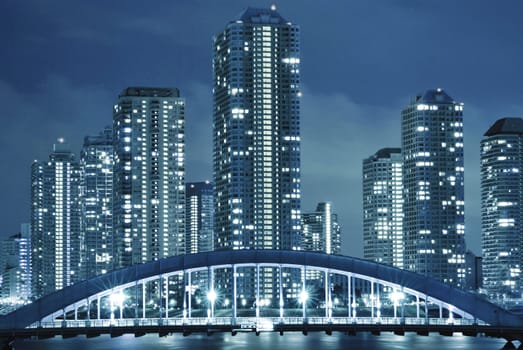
{"type": "Point", "coordinates": [272, 341]}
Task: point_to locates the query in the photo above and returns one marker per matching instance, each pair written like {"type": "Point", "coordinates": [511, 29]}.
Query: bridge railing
{"type": "Point", "coordinates": [248, 322]}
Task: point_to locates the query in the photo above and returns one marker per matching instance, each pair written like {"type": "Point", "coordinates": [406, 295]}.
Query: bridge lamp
{"type": "Point", "coordinates": [211, 296]}
{"type": "Point", "coordinates": [303, 296]}
{"type": "Point", "coordinates": [396, 297]}
{"type": "Point", "coordinates": [303, 300]}
{"type": "Point", "coordinates": [116, 299]}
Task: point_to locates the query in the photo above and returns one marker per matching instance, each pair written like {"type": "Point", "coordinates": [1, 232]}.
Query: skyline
{"type": "Point", "coordinates": [81, 66]}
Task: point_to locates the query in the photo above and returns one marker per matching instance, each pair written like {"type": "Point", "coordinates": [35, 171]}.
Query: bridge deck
{"type": "Point", "coordinates": [509, 333]}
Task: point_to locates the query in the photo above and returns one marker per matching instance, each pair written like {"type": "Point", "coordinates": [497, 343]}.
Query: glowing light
{"type": "Point", "coordinates": [303, 296]}
{"type": "Point", "coordinates": [117, 298]}
{"type": "Point", "coordinates": [212, 296]}
{"type": "Point", "coordinates": [396, 296]}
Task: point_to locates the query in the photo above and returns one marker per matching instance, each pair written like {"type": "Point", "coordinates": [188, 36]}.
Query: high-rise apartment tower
{"type": "Point", "coordinates": [149, 174]}
{"type": "Point", "coordinates": [502, 208]}
{"type": "Point", "coordinates": [199, 211]}
{"type": "Point", "coordinates": [256, 132]}
{"type": "Point", "coordinates": [321, 230]}
{"type": "Point", "coordinates": [383, 207]}
{"type": "Point", "coordinates": [55, 221]}
{"type": "Point", "coordinates": [433, 176]}
{"type": "Point", "coordinates": [96, 162]}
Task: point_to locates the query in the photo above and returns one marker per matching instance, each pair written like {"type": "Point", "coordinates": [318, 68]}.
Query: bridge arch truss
{"type": "Point", "coordinates": [239, 286]}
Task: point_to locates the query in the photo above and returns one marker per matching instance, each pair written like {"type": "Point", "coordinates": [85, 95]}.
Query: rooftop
{"type": "Point", "coordinates": [150, 92]}
{"type": "Point", "coordinates": [434, 96]}
{"type": "Point", "coordinates": [262, 16]}
{"type": "Point", "coordinates": [387, 152]}
{"type": "Point", "coordinates": [506, 126]}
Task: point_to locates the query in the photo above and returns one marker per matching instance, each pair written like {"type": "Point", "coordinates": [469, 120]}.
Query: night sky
{"type": "Point", "coordinates": [63, 64]}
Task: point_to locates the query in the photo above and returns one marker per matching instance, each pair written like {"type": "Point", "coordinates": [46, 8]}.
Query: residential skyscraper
{"type": "Point", "coordinates": [55, 221]}
{"type": "Point", "coordinates": [149, 174]}
{"type": "Point", "coordinates": [96, 162]}
{"type": "Point", "coordinates": [321, 230]}
{"type": "Point", "coordinates": [433, 176]}
{"type": "Point", "coordinates": [502, 208]}
{"type": "Point", "coordinates": [15, 267]}
{"type": "Point", "coordinates": [256, 133]}
{"type": "Point", "coordinates": [383, 207]}
{"type": "Point", "coordinates": [474, 274]}
{"type": "Point", "coordinates": [199, 210]}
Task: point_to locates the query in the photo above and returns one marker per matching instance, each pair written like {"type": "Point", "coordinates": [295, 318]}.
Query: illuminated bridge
{"type": "Point", "coordinates": [256, 291]}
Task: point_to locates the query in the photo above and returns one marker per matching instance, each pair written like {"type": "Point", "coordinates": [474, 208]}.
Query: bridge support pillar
{"type": "Point", "coordinates": [143, 299]}
{"type": "Point", "coordinates": [303, 294]}
{"type": "Point", "coordinates": [372, 300]}
{"type": "Point", "coordinates": [98, 308]}
{"type": "Point", "coordinates": [167, 297]}
{"type": "Point", "coordinates": [417, 306]}
{"type": "Point", "coordinates": [189, 294]}
{"type": "Point", "coordinates": [257, 290]}
{"type": "Point", "coordinates": [353, 299]}
{"type": "Point", "coordinates": [184, 282]}
{"type": "Point", "coordinates": [88, 310]}
{"type": "Point", "coordinates": [349, 300]}
{"type": "Point", "coordinates": [402, 306]}
{"type": "Point", "coordinates": [234, 295]}
{"type": "Point", "coordinates": [280, 287]}
{"type": "Point", "coordinates": [426, 310]}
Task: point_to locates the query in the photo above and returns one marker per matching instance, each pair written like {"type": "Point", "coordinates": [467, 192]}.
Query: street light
{"type": "Point", "coordinates": [396, 297]}
{"type": "Point", "coordinates": [211, 296]}
{"type": "Point", "coordinates": [116, 299]}
{"type": "Point", "coordinates": [303, 300]}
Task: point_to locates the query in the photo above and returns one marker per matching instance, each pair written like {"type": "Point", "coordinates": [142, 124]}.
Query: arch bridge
{"type": "Point", "coordinates": [259, 290]}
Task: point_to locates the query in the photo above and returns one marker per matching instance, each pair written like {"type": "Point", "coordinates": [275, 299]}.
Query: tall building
{"type": "Point", "coordinates": [383, 207]}
{"type": "Point", "coordinates": [502, 208]}
{"type": "Point", "coordinates": [149, 175]}
{"type": "Point", "coordinates": [474, 275]}
{"type": "Point", "coordinates": [256, 133]}
{"type": "Point", "coordinates": [199, 211]}
{"type": "Point", "coordinates": [434, 207]}
{"type": "Point", "coordinates": [96, 162]}
{"type": "Point", "coordinates": [55, 221]}
{"type": "Point", "coordinates": [15, 267]}
{"type": "Point", "coordinates": [321, 231]}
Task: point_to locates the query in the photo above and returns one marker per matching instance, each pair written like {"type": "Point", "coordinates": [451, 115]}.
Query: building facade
{"type": "Point", "coordinates": [321, 230]}
{"type": "Point", "coordinates": [149, 175]}
{"type": "Point", "coordinates": [55, 221]}
{"type": "Point", "coordinates": [383, 207]}
{"type": "Point", "coordinates": [433, 177]}
{"type": "Point", "coordinates": [502, 208]}
{"type": "Point", "coordinates": [15, 268]}
{"type": "Point", "coordinates": [474, 275]}
{"type": "Point", "coordinates": [256, 133]}
{"type": "Point", "coordinates": [199, 211]}
{"type": "Point", "coordinates": [96, 162]}
{"type": "Point", "coordinates": [256, 142]}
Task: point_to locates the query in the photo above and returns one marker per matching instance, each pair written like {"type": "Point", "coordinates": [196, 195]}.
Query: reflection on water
{"type": "Point", "coordinates": [272, 341]}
